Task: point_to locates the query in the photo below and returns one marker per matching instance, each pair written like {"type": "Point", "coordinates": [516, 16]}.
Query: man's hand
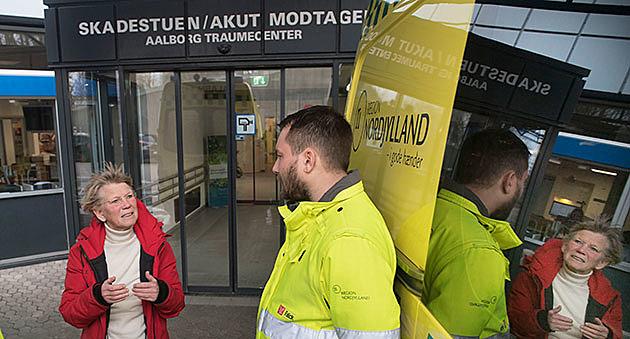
{"type": "Point", "coordinates": [147, 290]}
{"type": "Point", "coordinates": [594, 331]}
{"type": "Point", "coordinates": [558, 322]}
{"type": "Point", "coordinates": [113, 293]}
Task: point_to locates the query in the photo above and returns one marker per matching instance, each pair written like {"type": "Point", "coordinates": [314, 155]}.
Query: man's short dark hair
{"type": "Point", "coordinates": [486, 155]}
{"type": "Point", "coordinates": [322, 128]}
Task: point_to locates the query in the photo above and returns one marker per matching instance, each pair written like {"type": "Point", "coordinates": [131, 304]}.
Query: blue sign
{"type": "Point", "coordinates": [27, 86]}
{"type": "Point", "coordinates": [578, 147]}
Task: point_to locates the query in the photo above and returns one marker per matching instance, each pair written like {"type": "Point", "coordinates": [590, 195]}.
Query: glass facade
{"type": "Point", "coordinates": [574, 37]}
{"type": "Point", "coordinates": [586, 187]}
{"type": "Point", "coordinates": [228, 232]}
{"type": "Point", "coordinates": [211, 183]}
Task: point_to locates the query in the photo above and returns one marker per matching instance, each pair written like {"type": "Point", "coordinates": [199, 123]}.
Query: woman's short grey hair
{"type": "Point", "coordinates": [111, 174]}
{"type": "Point", "coordinates": [601, 226]}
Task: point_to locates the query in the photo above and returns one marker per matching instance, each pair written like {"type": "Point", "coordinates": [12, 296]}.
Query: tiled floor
{"type": "Point", "coordinates": [29, 298]}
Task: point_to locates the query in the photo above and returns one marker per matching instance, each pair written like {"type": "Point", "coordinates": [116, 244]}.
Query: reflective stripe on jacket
{"type": "Point", "coordinates": [466, 270]}
{"type": "Point", "coordinates": [333, 276]}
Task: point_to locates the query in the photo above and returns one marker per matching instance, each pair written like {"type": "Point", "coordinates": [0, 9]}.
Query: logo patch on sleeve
{"type": "Point", "coordinates": [284, 312]}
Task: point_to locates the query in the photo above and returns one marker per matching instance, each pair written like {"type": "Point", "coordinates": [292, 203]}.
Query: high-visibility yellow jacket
{"type": "Point", "coordinates": [466, 270]}
{"type": "Point", "coordinates": [333, 276]}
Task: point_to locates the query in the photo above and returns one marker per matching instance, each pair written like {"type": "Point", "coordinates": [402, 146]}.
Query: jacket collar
{"type": "Point", "coordinates": [350, 179]}
{"type": "Point", "coordinates": [148, 230]}
{"type": "Point", "coordinates": [546, 262]}
{"type": "Point", "coordinates": [500, 230]}
{"type": "Point", "coordinates": [306, 210]}
{"type": "Point", "coordinates": [451, 185]}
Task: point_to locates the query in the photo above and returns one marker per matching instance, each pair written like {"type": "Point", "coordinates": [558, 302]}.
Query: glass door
{"type": "Point", "coordinates": [205, 155]}
{"type": "Point", "coordinates": [153, 149]}
{"type": "Point", "coordinates": [201, 146]}
{"type": "Point", "coordinates": [256, 112]}
{"type": "Point", "coordinates": [93, 104]}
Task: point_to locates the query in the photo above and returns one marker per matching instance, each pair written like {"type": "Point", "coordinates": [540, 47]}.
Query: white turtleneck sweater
{"type": "Point", "coordinates": [570, 290]}
{"type": "Point", "coordinates": [122, 252]}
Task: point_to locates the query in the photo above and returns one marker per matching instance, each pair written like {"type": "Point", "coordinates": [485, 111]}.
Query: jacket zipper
{"type": "Point", "coordinates": [96, 279]}
{"type": "Point", "coordinates": [157, 254]}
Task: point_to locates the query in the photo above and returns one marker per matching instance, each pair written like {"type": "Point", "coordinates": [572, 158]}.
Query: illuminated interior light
{"type": "Point", "coordinates": [564, 201]}
{"type": "Point", "coordinates": [603, 172]}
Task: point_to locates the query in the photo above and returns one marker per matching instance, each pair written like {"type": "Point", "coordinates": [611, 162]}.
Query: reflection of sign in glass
{"type": "Point", "coordinates": [260, 80]}
{"type": "Point", "coordinates": [245, 124]}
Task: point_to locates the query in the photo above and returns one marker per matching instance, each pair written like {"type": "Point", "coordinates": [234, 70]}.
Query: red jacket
{"type": "Point", "coordinates": [531, 296]}
{"type": "Point", "coordinates": [83, 306]}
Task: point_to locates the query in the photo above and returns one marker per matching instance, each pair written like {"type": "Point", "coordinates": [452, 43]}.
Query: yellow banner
{"type": "Point", "coordinates": [399, 106]}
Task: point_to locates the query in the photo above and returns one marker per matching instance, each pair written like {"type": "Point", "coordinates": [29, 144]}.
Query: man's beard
{"type": "Point", "coordinates": [503, 212]}
{"type": "Point", "coordinates": [293, 189]}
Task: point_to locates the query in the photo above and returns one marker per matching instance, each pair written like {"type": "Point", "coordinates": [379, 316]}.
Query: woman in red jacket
{"type": "Point", "coordinates": [562, 292]}
{"type": "Point", "coordinates": [121, 278]}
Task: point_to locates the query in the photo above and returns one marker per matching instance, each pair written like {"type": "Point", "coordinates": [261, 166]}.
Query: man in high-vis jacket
{"type": "Point", "coordinates": [333, 276]}
{"type": "Point", "coordinates": [464, 281]}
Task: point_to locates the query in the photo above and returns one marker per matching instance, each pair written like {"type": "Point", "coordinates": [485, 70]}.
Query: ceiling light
{"type": "Point", "coordinates": [564, 201]}
{"type": "Point", "coordinates": [554, 161]}
{"type": "Point", "coordinates": [603, 172]}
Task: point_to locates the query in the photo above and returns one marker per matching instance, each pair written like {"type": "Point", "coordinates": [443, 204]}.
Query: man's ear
{"type": "Point", "coordinates": [509, 182]}
{"type": "Point", "coordinates": [309, 160]}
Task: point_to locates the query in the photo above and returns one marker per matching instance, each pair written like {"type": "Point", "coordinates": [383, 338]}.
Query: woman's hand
{"type": "Point", "coordinates": [113, 293]}
{"type": "Point", "coordinates": [147, 290]}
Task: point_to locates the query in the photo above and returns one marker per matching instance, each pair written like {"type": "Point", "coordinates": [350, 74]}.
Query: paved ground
{"type": "Point", "coordinates": [29, 297]}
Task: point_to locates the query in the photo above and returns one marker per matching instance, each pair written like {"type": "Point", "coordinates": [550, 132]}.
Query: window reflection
{"type": "Point", "coordinates": [307, 87]}
{"type": "Point", "coordinates": [153, 100]}
{"type": "Point", "coordinates": [345, 79]}
{"type": "Point", "coordinates": [577, 187]}
{"type": "Point", "coordinates": [502, 16]}
{"type": "Point", "coordinates": [502, 35]}
{"type": "Point", "coordinates": [93, 97]}
{"type": "Point", "coordinates": [464, 123]}
{"type": "Point", "coordinates": [606, 24]}
{"type": "Point", "coordinates": [556, 46]}
{"type": "Point", "coordinates": [609, 69]}
{"type": "Point", "coordinates": [28, 145]}
{"type": "Point", "coordinates": [555, 21]}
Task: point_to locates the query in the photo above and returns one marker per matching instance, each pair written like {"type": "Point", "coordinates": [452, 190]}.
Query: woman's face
{"type": "Point", "coordinates": [118, 206]}
{"type": "Point", "coordinates": [585, 252]}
